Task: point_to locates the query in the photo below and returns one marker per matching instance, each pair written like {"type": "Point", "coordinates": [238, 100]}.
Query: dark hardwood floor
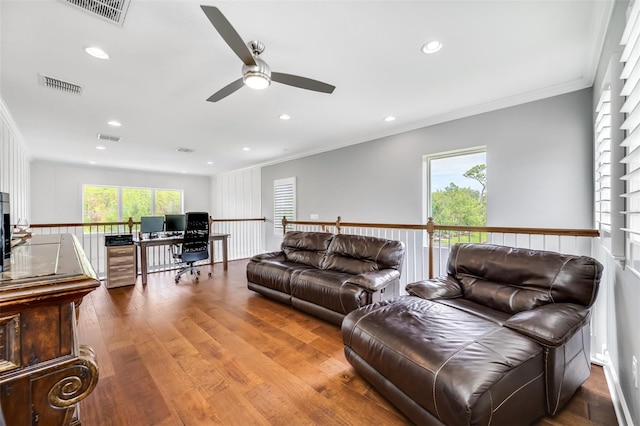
{"type": "Point", "coordinates": [215, 352]}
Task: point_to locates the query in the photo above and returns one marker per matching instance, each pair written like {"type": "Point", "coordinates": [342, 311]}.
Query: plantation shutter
{"type": "Point", "coordinates": [631, 109]}
{"type": "Point", "coordinates": [284, 202]}
{"type": "Point", "coordinates": [602, 134]}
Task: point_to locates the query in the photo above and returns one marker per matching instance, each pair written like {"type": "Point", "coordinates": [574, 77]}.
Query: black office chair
{"type": "Point", "coordinates": [195, 245]}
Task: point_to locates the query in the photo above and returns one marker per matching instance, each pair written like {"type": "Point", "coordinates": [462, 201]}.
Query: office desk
{"type": "Point", "coordinates": [165, 241]}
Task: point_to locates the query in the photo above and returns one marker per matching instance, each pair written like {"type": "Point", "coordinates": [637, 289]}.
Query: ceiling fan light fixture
{"type": "Point", "coordinates": [256, 81]}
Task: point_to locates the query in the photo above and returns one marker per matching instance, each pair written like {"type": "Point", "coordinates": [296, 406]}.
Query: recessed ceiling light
{"type": "Point", "coordinates": [114, 123]}
{"type": "Point", "coordinates": [96, 52]}
{"type": "Point", "coordinates": [389, 118]}
{"type": "Point", "coordinates": [101, 147]}
{"type": "Point", "coordinates": [285, 117]}
{"type": "Point", "coordinates": [92, 162]}
{"type": "Point", "coordinates": [209, 162]}
{"type": "Point", "coordinates": [431, 46]}
{"type": "Point", "coordinates": [246, 148]}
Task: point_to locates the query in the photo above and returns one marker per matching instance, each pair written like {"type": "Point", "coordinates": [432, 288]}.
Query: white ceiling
{"type": "Point", "coordinates": [167, 59]}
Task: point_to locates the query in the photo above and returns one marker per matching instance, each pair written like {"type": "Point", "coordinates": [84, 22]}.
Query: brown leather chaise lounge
{"type": "Point", "coordinates": [502, 339]}
{"type": "Point", "coordinates": [328, 275]}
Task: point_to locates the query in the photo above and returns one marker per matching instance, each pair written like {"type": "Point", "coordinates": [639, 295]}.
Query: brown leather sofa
{"type": "Point", "coordinates": [502, 339]}
{"type": "Point", "coordinates": [328, 275]}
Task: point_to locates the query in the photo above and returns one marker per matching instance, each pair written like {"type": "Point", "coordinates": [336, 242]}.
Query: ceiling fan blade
{"type": "Point", "coordinates": [226, 91]}
{"type": "Point", "coordinates": [229, 34]}
{"type": "Point", "coordinates": [302, 82]}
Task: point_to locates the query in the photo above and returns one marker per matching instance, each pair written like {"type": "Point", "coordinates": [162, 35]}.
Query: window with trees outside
{"type": "Point", "coordinates": [118, 203]}
{"type": "Point", "coordinates": [456, 187]}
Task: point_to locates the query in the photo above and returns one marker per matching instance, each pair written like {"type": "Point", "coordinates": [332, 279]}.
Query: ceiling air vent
{"type": "Point", "coordinates": [55, 83]}
{"type": "Point", "coordinates": [111, 10]}
{"type": "Point", "coordinates": [182, 149]}
{"type": "Point", "coordinates": [103, 137]}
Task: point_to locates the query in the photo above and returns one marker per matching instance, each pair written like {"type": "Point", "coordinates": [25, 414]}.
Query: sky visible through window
{"type": "Point", "coordinates": [451, 169]}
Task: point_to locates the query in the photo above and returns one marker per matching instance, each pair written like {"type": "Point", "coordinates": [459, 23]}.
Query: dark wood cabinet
{"type": "Point", "coordinates": [44, 371]}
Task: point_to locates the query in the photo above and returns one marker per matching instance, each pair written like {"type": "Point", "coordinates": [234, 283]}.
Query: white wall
{"type": "Point", "coordinates": [236, 194]}
{"type": "Point", "coordinates": [539, 169]}
{"type": "Point", "coordinates": [14, 166]}
{"type": "Point", "coordinates": [56, 193]}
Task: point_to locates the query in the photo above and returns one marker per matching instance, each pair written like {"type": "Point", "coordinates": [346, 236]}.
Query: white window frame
{"type": "Point", "coordinates": [426, 173]}
{"type": "Point", "coordinates": [631, 143]}
{"type": "Point", "coordinates": [284, 202]}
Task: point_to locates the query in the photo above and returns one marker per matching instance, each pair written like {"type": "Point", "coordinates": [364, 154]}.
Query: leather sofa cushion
{"type": "Point", "coordinates": [514, 280]}
{"type": "Point", "coordinates": [273, 274]}
{"type": "Point", "coordinates": [357, 254]}
{"type": "Point", "coordinates": [307, 248]}
{"type": "Point", "coordinates": [551, 325]}
{"type": "Point", "coordinates": [506, 298]}
{"type": "Point", "coordinates": [329, 289]}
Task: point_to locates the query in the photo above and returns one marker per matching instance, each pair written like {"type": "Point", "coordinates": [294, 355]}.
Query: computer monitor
{"type": "Point", "coordinates": [175, 223]}
{"type": "Point", "coordinates": [151, 224]}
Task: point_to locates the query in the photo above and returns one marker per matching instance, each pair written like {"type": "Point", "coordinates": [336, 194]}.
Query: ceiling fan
{"type": "Point", "coordinates": [255, 72]}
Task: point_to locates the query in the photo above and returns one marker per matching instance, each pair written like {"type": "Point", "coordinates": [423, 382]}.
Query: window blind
{"type": "Point", "coordinates": [631, 143]}
{"type": "Point", "coordinates": [284, 202]}
{"type": "Point", "coordinates": [602, 133]}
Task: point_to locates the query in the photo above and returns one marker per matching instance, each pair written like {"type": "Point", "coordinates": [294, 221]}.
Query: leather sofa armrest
{"type": "Point", "coordinates": [437, 288]}
{"type": "Point", "coordinates": [551, 325]}
{"type": "Point", "coordinates": [373, 281]}
{"type": "Point", "coordinates": [277, 256]}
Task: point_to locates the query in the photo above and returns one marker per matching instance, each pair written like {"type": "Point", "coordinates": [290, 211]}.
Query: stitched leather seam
{"type": "Point", "coordinates": [515, 392]}
{"type": "Point", "coordinates": [546, 377]}
{"type": "Point", "coordinates": [559, 390]}
{"type": "Point", "coordinates": [380, 250]}
{"type": "Point", "coordinates": [435, 374]}
{"type": "Point", "coordinates": [553, 281]}
{"type": "Point", "coordinates": [355, 326]}
{"type": "Point", "coordinates": [491, 411]}
{"type": "Point", "coordinates": [341, 302]}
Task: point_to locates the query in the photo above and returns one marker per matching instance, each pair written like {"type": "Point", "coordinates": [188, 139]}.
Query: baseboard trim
{"type": "Point", "coordinates": [617, 397]}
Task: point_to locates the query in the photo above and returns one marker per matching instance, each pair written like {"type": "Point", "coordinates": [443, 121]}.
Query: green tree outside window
{"type": "Point", "coordinates": [458, 184]}
{"type": "Point", "coordinates": [100, 204]}
{"type": "Point", "coordinates": [136, 202]}
{"type": "Point", "coordinates": [168, 202]}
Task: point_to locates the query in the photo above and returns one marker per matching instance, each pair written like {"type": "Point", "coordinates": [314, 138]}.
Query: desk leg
{"type": "Point", "coordinates": [143, 263]}
{"type": "Point", "coordinates": [211, 252]}
{"type": "Point", "coordinates": [225, 260]}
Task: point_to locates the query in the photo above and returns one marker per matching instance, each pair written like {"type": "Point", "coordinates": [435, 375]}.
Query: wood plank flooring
{"type": "Point", "coordinates": [215, 352]}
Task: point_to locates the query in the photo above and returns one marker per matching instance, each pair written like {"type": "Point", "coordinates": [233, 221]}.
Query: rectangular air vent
{"type": "Point", "coordinates": [103, 137]}
{"type": "Point", "coordinates": [55, 83]}
{"type": "Point", "coordinates": [111, 10]}
{"type": "Point", "coordinates": [181, 149]}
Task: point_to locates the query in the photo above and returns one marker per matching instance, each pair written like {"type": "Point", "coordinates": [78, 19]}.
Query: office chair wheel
{"type": "Point", "coordinates": [198, 272]}
{"type": "Point", "coordinates": [176, 280]}
{"type": "Point", "coordinates": [209, 274]}
{"type": "Point", "coordinates": [197, 279]}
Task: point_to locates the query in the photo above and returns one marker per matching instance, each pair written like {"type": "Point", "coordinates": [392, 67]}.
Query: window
{"type": "Point", "coordinates": [284, 202]}
{"type": "Point", "coordinates": [631, 126]}
{"type": "Point", "coordinates": [456, 187]}
{"type": "Point", "coordinates": [116, 203]}
{"type": "Point", "coordinates": [602, 133]}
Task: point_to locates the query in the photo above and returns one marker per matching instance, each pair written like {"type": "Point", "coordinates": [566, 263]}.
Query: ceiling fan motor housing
{"type": "Point", "coordinates": [259, 71]}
